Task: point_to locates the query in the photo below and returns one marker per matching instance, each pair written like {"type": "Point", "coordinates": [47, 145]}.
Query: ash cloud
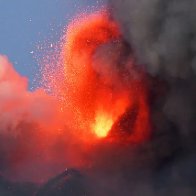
{"type": "Point", "coordinates": [162, 33]}
{"type": "Point", "coordinates": [162, 37]}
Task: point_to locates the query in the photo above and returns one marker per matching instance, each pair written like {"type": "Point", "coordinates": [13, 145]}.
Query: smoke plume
{"type": "Point", "coordinates": [162, 34]}
{"type": "Point", "coordinates": [162, 37]}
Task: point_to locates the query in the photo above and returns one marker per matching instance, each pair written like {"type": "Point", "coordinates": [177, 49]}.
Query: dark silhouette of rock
{"type": "Point", "coordinates": [8, 188]}
{"type": "Point", "coordinates": [70, 182]}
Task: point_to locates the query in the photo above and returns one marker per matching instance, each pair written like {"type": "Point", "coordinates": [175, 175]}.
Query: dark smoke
{"type": "Point", "coordinates": [162, 33]}
{"type": "Point", "coordinates": [162, 36]}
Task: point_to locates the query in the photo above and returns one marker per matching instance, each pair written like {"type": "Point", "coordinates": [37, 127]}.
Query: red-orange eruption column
{"type": "Point", "coordinates": [96, 95]}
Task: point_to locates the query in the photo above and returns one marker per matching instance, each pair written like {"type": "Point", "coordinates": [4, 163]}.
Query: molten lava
{"type": "Point", "coordinates": [102, 125]}
{"type": "Point", "coordinates": [100, 85]}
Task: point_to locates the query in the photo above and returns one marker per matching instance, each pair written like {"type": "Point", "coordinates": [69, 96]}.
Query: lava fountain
{"type": "Point", "coordinates": [101, 96]}
{"type": "Point", "coordinates": [101, 81]}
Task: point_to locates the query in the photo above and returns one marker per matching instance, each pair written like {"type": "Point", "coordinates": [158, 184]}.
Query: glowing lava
{"type": "Point", "coordinates": [99, 84]}
{"type": "Point", "coordinates": [103, 124]}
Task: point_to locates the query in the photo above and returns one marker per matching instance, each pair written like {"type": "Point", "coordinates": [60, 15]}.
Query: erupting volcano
{"type": "Point", "coordinates": [102, 96]}
{"type": "Point", "coordinates": [119, 114]}
{"type": "Point", "coordinates": [102, 82]}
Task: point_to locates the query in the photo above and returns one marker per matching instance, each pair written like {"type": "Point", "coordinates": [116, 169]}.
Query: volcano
{"type": "Point", "coordinates": [119, 115]}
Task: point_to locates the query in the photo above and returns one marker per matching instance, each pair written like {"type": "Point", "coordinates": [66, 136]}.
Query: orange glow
{"type": "Point", "coordinates": [96, 94]}
{"type": "Point", "coordinates": [100, 96]}
{"type": "Point", "coordinates": [102, 125]}
{"type": "Point", "coordinates": [85, 92]}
